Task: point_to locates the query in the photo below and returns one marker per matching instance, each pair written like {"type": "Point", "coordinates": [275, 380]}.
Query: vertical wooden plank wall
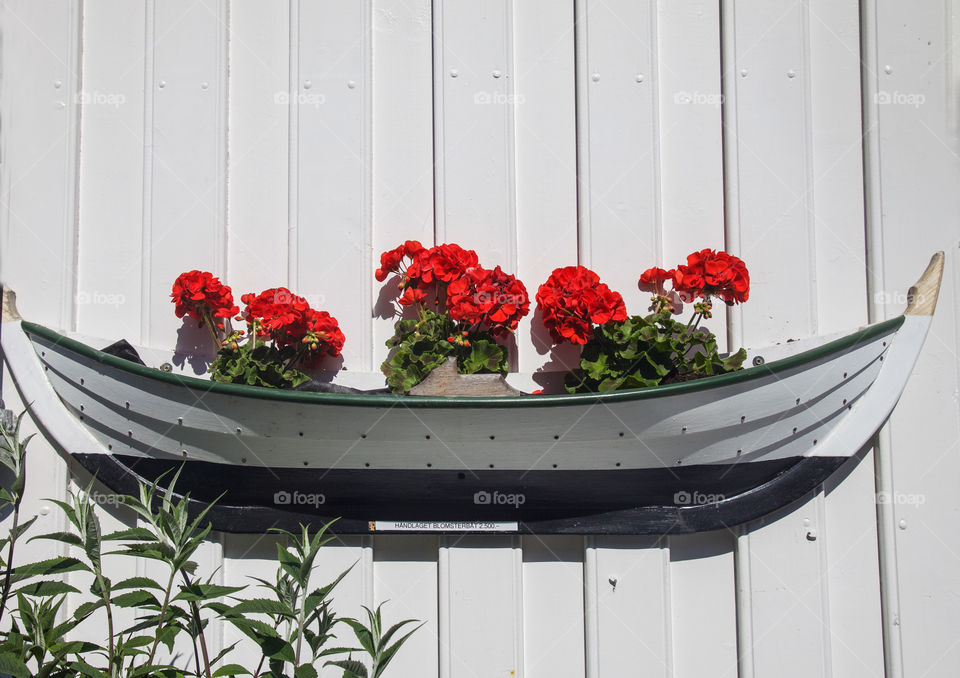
{"type": "Point", "coordinates": [793, 86]}
{"type": "Point", "coordinates": [911, 70]}
{"type": "Point", "coordinates": [292, 142]}
{"type": "Point", "coordinates": [40, 112]}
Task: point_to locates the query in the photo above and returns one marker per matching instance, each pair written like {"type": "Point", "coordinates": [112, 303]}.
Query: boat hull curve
{"type": "Point", "coordinates": [644, 501]}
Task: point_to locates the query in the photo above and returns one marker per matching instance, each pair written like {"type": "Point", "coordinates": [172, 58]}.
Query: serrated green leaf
{"type": "Point", "coordinates": [14, 666]}
{"type": "Point", "coordinates": [263, 606]}
{"type": "Point", "coordinates": [46, 588]}
{"type": "Point", "coordinates": [51, 566]}
{"type": "Point", "coordinates": [137, 598]}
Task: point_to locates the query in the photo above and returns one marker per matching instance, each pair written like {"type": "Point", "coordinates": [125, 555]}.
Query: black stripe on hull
{"type": "Point", "coordinates": [622, 501]}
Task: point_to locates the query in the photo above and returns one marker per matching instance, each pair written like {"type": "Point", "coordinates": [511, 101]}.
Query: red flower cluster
{"type": "Point", "coordinates": [453, 276]}
{"type": "Point", "coordinates": [199, 293]}
{"type": "Point", "coordinates": [443, 263]}
{"type": "Point", "coordinates": [488, 298]}
{"type": "Point", "coordinates": [288, 320]}
{"type": "Point", "coordinates": [390, 260]}
{"type": "Point", "coordinates": [707, 273]}
{"type": "Point", "coordinates": [573, 299]}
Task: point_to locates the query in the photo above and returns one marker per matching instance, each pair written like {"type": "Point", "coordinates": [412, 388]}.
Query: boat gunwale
{"type": "Point", "coordinates": [855, 338]}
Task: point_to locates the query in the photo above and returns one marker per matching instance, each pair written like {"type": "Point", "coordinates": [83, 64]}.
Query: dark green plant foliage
{"type": "Point", "coordinates": [261, 365]}
{"type": "Point", "coordinates": [293, 627]}
{"type": "Point", "coordinates": [421, 345]}
{"type": "Point", "coordinates": [647, 351]}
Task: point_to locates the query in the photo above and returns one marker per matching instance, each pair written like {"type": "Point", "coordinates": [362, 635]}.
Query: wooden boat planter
{"type": "Point", "coordinates": [686, 457]}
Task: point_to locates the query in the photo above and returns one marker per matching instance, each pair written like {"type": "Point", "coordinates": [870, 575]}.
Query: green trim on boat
{"type": "Point", "coordinates": [362, 400]}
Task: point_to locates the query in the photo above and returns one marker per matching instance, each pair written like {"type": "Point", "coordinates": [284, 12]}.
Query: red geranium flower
{"type": "Point", "coordinates": [288, 320]}
{"type": "Point", "coordinates": [573, 299]}
{"type": "Point", "coordinates": [654, 275]}
{"type": "Point", "coordinates": [444, 263]}
{"type": "Point", "coordinates": [390, 260]}
{"type": "Point", "coordinates": [713, 273]}
{"type": "Point", "coordinates": [412, 295]}
{"type": "Point", "coordinates": [198, 294]}
{"type": "Point", "coordinates": [492, 299]}
{"type": "Point", "coordinates": [323, 337]}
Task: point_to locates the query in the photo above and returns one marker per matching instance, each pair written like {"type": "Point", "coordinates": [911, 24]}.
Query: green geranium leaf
{"type": "Point", "coordinates": [645, 351]}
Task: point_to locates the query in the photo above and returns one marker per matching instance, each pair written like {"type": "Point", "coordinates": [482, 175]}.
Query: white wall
{"type": "Point", "coordinates": [140, 138]}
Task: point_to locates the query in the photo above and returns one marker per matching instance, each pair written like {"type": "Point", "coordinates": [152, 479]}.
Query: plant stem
{"type": "Point", "coordinates": [9, 572]}
{"type": "Point", "coordinates": [163, 614]}
{"type": "Point", "coordinates": [298, 353]}
{"type": "Point", "coordinates": [200, 635]}
{"type": "Point", "coordinates": [208, 321]}
{"type": "Point", "coordinates": [105, 597]}
{"type": "Point", "coordinates": [300, 622]}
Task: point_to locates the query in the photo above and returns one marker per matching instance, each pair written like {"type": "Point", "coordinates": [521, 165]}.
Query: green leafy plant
{"type": "Point", "coordinates": [375, 643]}
{"type": "Point", "coordinates": [13, 455]}
{"type": "Point", "coordinates": [258, 364]}
{"type": "Point", "coordinates": [648, 351]}
{"type": "Point", "coordinates": [422, 344]}
{"type": "Point", "coordinates": [293, 629]}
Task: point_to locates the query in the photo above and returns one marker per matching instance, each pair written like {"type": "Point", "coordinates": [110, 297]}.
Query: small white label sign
{"type": "Point", "coordinates": [443, 526]}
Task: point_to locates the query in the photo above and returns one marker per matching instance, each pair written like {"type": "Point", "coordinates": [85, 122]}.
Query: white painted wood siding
{"type": "Point", "coordinates": [290, 142]}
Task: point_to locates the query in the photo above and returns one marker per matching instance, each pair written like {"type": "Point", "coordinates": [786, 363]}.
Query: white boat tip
{"type": "Point", "coordinates": [923, 295]}
{"type": "Point", "coordinates": [10, 312]}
